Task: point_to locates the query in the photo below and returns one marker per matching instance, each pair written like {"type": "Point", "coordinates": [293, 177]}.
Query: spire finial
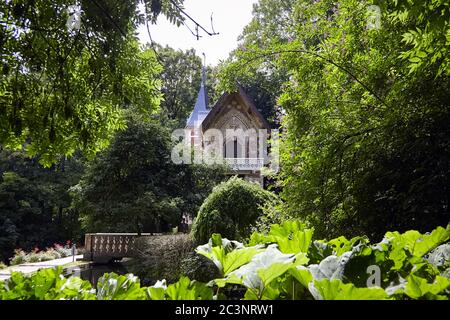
{"type": "Point", "coordinates": [204, 70]}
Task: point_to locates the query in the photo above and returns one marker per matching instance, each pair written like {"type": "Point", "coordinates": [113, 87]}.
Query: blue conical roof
{"type": "Point", "coordinates": [201, 109]}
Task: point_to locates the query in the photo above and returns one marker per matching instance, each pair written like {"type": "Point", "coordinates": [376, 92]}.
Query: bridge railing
{"type": "Point", "coordinates": [104, 247]}
{"type": "Point", "coordinates": [238, 164]}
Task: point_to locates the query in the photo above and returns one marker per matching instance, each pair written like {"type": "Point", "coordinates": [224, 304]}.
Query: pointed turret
{"type": "Point", "coordinates": [201, 109]}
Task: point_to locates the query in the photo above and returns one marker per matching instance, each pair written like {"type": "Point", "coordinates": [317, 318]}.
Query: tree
{"type": "Point", "coordinates": [427, 34]}
{"type": "Point", "coordinates": [25, 215]}
{"type": "Point", "coordinates": [135, 186]}
{"type": "Point", "coordinates": [34, 202]}
{"type": "Point", "coordinates": [272, 22]}
{"type": "Point", "coordinates": [181, 77]}
{"type": "Point", "coordinates": [63, 88]}
{"type": "Point", "coordinates": [365, 145]}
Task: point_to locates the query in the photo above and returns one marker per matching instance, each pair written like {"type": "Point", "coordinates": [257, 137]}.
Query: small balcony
{"type": "Point", "coordinates": [245, 164]}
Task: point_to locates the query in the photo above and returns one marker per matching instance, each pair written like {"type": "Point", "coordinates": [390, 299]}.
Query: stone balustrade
{"type": "Point", "coordinates": [244, 164]}
{"type": "Point", "coordinates": [105, 247]}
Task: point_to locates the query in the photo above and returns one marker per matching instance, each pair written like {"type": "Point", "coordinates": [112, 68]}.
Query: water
{"type": "Point", "coordinates": [93, 272]}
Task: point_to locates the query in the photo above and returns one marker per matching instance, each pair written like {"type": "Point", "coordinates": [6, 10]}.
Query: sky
{"type": "Point", "coordinates": [229, 19]}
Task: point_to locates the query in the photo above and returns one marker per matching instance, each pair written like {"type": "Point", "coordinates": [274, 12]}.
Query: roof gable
{"type": "Point", "coordinates": [223, 101]}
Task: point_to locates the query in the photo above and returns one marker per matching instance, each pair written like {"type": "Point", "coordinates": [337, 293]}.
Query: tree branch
{"type": "Point", "coordinates": [197, 25]}
{"type": "Point", "coordinates": [342, 68]}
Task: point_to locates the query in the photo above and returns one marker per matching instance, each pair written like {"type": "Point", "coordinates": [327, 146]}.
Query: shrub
{"type": "Point", "coordinates": [231, 209]}
{"type": "Point", "coordinates": [47, 255]}
{"type": "Point", "coordinates": [2, 266]}
{"type": "Point", "coordinates": [286, 263]}
{"type": "Point", "coordinates": [56, 252]}
{"type": "Point", "coordinates": [33, 257]}
{"type": "Point", "coordinates": [63, 251]}
{"type": "Point", "coordinates": [198, 267]}
{"type": "Point", "coordinates": [18, 258]}
{"type": "Point", "coordinates": [160, 257]}
{"type": "Point", "coordinates": [272, 213]}
{"type": "Point", "coordinates": [53, 254]}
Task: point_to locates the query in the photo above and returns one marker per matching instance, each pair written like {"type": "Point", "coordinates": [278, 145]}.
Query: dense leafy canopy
{"type": "Point", "coordinates": [134, 185]}
{"type": "Point", "coordinates": [64, 89]}
{"type": "Point", "coordinates": [35, 203]}
{"type": "Point", "coordinates": [181, 76]}
{"type": "Point", "coordinates": [362, 102]}
{"type": "Point", "coordinates": [365, 110]}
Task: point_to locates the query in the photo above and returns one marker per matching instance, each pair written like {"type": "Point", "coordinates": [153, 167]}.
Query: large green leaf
{"type": "Point", "coordinates": [124, 287]}
{"type": "Point", "coordinates": [227, 255]}
{"type": "Point", "coordinates": [332, 267]}
{"type": "Point", "coordinates": [302, 274]}
{"type": "Point", "coordinates": [416, 243]}
{"type": "Point", "coordinates": [291, 236]}
{"type": "Point", "coordinates": [45, 281]}
{"type": "Point", "coordinates": [417, 288]}
{"type": "Point", "coordinates": [337, 290]}
{"type": "Point", "coordinates": [264, 268]}
{"type": "Point", "coordinates": [186, 289]}
{"type": "Point", "coordinates": [157, 291]}
{"type": "Point", "coordinates": [74, 288]}
{"type": "Point", "coordinates": [342, 244]}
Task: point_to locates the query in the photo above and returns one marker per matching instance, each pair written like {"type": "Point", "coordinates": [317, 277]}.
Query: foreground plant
{"type": "Point", "coordinates": [285, 263]}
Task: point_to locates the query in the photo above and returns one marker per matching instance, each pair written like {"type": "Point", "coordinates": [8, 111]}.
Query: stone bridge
{"type": "Point", "coordinates": [106, 247]}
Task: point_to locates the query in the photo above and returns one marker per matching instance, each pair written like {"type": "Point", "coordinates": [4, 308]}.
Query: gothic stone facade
{"type": "Point", "coordinates": [236, 128]}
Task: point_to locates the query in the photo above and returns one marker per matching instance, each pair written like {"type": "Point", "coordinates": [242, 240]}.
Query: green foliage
{"type": "Point", "coordinates": [160, 257]}
{"type": "Point", "coordinates": [227, 255]}
{"type": "Point", "coordinates": [231, 209]}
{"type": "Point", "coordinates": [272, 213]}
{"type": "Point", "coordinates": [56, 252]}
{"type": "Point", "coordinates": [291, 237]}
{"type": "Point", "coordinates": [342, 272]}
{"type": "Point", "coordinates": [181, 75]}
{"type": "Point", "coordinates": [405, 272]}
{"type": "Point", "coordinates": [336, 290]}
{"type": "Point", "coordinates": [186, 289]}
{"type": "Point", "coordinates": [135, 186]}
{"type": "Point", "coordinates": [417, 243]}
{"type": "Point", "coordinates": [62, 90]}
{"type": "Point", "coordinates": [49, 284]}
{"type": "Point", "coordinates": [365, 110]}
{"type": "Point", "coordinates": [118, 287]}
{"type": "Point", "coordinates": [35, 202]}
{"type": "Point", "coordinates": [262, 82]}
{"type": "Point", "coordinates": [428, 33]}
{"type": "Point", "coordinates": [46, 284]}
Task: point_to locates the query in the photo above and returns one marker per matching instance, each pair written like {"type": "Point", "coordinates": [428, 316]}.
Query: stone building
{"type": "Point", "coordinates": [233, 130]}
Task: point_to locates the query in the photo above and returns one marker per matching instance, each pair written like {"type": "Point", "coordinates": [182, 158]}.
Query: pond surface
{"type": "Point", "coordinates": [93, 272]}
